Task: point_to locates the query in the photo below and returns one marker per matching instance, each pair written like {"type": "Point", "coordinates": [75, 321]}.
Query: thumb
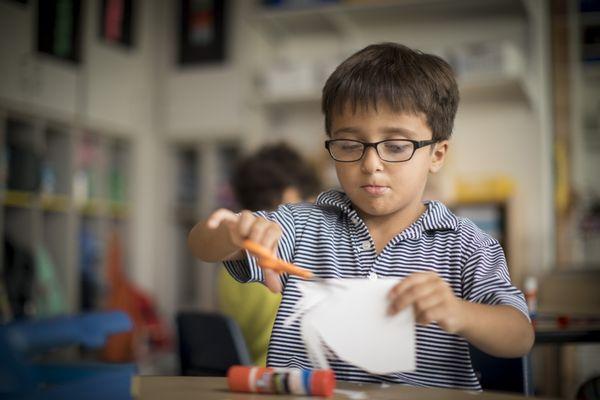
{"type": "Point", "coordinates": [220, 216]}
{"type": "Point", "coordinates": [272, 280]}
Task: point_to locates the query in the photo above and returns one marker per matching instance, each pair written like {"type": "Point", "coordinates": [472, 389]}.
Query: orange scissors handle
{"type": "Point", "coordinates": [270, 261]}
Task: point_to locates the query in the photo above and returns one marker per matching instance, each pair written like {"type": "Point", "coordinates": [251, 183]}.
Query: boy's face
{"type": "Point", "coordinates": [379, 188]}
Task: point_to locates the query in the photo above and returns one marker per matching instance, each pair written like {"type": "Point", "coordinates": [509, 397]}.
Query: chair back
{"type": "Point", "coordinates": [209, 343]}
{"type": "Point", "coordinates": [502, 374]}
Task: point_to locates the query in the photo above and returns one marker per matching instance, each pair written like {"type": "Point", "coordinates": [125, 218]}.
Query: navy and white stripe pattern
{"type": "Point", "coordinates": [330, 239]}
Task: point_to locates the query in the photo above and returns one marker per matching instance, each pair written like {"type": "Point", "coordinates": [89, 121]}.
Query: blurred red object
{"type": "Point", "coordinates": [563, 321]}
{"type": "Point", "coordinates": [149, 332]}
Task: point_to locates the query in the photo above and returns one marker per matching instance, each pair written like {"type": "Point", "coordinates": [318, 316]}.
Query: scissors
{"type": "Point", "coordinates": [268, 260]}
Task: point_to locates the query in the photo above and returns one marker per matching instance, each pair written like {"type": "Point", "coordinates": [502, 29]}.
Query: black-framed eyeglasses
{"type": "Point", "coordinates": [390, 150]}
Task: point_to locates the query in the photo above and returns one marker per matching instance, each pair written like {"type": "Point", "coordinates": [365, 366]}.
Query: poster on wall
{"type": "Point", "coordinates": [117, 22]}
{"type": "Point", "coordinates": [59, 29]}
{"type": "Point", "coordinates": [201, 31]}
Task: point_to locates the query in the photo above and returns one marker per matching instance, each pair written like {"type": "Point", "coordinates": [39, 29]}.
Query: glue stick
{"type": "Point", "coordinates": [312, 382]}
{"type": "Point", "coordinates": [531, 289]}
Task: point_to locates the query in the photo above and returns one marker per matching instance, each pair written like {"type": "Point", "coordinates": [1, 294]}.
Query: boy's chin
{"type": "Point", "coordinates": [372, 209]}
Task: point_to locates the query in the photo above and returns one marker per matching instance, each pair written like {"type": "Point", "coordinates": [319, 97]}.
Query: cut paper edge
{"type": "Point", "coordinates": [353, 322]}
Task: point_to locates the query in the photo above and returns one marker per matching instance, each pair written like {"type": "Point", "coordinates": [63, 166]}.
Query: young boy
{"type": "Point", "coordinates": [389, 113]}
{"type": "Point", "coordinates": [274, 175]}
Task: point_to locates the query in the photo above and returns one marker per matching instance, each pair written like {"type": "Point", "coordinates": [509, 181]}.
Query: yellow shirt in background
{"type": "Point", "coordinates": [253, 307]}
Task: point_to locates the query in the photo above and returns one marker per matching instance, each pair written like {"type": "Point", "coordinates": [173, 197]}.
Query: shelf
{"type": "Point", "coordinates": [100, 208]}
{"type": "Point", "coordinates": [337, 19]}
{"type": "Point", "coordinates": [490, 86]}
{"type": "Point", "coordinates": [55, 203]}
{"type": "Point", "coordinates": [65, 190]}
{"type": "Point", "coordinates": [118, 210]}
{"type": "Point", "coordinates": [199, 173]}
{"type": "Point", "coordinates": [62, 204]}
{"type": "Point", "coordinates": [93, 208]}
{"type": "Point", "coordinates": [56, 167]}
{"type": "Point", "coordinates": [15, 198]}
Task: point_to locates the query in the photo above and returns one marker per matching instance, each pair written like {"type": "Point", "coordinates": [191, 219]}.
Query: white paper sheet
{"type": "Point", "coordinates": [350, 316]}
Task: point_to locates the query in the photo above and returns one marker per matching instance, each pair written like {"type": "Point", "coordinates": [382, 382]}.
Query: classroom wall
{"type": "Point", "coordinates": [206, 100]}
{"type": "Point", "coordinates": [25, 77]}
{"type": "Point", "coordinates": [503, 138]}
{"type": "Point", "coordinates": [117, 82]}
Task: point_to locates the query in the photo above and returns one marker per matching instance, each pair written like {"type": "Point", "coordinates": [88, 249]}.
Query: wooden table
{"type": "Point", "coordinates": [195, 388]}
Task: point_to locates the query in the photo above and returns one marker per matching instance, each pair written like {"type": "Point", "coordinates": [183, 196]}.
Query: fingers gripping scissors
{"type": "Point", "coordinates": [268, 260]}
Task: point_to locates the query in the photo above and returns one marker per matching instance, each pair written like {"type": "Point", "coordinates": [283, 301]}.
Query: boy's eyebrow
{"type": "Point", "coordinates": [390, 130]}
{"type": "Point", "coordinates": [347, 129]}
{"type": "Point", "coordinates": [401, 131]}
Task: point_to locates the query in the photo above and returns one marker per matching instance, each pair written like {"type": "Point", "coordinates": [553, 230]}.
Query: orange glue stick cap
{"type": "Point", "coordinates": [323, 383]}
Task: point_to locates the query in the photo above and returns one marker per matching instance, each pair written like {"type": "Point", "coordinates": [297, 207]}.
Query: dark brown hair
{"type": "Point", "coordinates": [405, 79]}
{"type": "Point", "coordinates": [260, 179]}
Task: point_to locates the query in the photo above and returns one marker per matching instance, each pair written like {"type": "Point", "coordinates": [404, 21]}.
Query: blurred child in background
{"type": "Point", "coordinates": [274, 175]}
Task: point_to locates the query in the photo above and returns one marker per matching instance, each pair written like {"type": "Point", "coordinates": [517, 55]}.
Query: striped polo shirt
{"type": "Point", "coordinates": [330, 239]}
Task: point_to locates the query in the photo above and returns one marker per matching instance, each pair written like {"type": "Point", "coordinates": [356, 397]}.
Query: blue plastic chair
{"type": "Point", "coordinates": [503, 374]}
{"type": "Point", "coordinates": [23, 378]}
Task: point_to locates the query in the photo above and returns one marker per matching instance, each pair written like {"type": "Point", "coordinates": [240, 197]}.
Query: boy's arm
{"type": "Point", "coordinates": [499, 330]}
{"type": "Point", "coordinates": [220, 238]}
{"type": "Point", "coordinates": [210, 240]}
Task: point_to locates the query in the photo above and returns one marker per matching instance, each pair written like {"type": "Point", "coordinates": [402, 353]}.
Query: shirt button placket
{"type": "Point", "coordinates": [369, 257]}
{"type": "Point", "coordinates": [362, 245]}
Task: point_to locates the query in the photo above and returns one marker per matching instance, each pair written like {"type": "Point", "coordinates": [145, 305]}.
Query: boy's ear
{"type": "Point", "coordinates": [438, 155]}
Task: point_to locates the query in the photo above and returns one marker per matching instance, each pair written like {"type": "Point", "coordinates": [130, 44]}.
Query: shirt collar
{"type": "Point", "coordinates": [437, 217]}
{"type": "Point", "coordinates": [336, 199]}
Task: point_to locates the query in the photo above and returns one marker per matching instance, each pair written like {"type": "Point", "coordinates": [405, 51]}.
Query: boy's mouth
{"type": "Point", "coordinates": [375, 190]}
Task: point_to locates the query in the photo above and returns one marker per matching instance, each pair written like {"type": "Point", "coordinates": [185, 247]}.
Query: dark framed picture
{"type": "Point", "coordinates": [202, 33]}
{"type": "Point", "coordinates": [59, 29]}
{"type": "Point", "coordinates": [116, 23]}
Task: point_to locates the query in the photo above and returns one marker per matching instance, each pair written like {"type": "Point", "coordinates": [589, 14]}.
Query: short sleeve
{"type": "Point", "coordinates": [486, 280]}
{"type": "Point", "coordinates": [247, 270]}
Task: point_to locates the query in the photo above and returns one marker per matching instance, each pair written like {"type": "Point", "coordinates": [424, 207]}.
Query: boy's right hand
{"type": "Point", "coordinates": [245, 225]}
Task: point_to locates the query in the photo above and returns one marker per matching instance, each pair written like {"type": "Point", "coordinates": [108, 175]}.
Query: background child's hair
{"type": "Point", "coordinates": [405, 79]}
{"type": "Point", "coordinates": [260, 179]}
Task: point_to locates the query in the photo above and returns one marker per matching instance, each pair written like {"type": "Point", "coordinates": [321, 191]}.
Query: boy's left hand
{"type": "Point", "coordinates": [432, 298]}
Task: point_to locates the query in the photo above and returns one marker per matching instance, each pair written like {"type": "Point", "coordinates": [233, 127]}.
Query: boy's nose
{"type": "Point", "coordinates": [371, 161]}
